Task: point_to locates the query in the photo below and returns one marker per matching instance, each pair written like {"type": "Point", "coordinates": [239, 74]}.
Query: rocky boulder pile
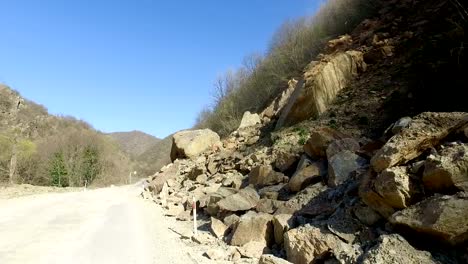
{"type": "Point", "coordinates": [336, 201]}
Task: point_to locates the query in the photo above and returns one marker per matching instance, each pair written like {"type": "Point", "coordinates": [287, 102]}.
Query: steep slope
{"type": "Point", "coordinates": [135, 142]}
{"type": "Point", "coordinates": [368, 173]}
{"type": "Point", "coordinates": [43, 149]}
{"type": "Point", "coordinates": [155, 157]}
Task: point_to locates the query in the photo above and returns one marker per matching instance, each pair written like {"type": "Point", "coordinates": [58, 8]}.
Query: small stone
{"type": "Point", "coordinates": [253, 249]}
{"type": "Point", "coordinates": [270, 259]}
{"type": "Point", "coordinates": [215, 254]}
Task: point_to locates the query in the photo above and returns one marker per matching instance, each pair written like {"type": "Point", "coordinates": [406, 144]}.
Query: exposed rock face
{"type": "Point", "coordinates": [342, 165]}
{"type": "Point", "coordinates": [320, 139]}
{"type": "Point", "coordinates": [424, 132]}
{"type": "Point", "coordinates": [265, 176]}
{"type": "Point", "coordinates": [323, 81]}
{"type": "Point", "coordinates": [397, 187]}
{"type": "Point", "coordinates": [249, 120]}
{"type": "Point", "coordinates": [448, 170]}
{"type": "Point", "coordinates": [191, 143]}
{"type": "Point", "coordinates": [395, 249]}
{"type": "Point", "coordinates": [306, 172]}
{"type": "Point", "coordinates": [304, 244]}
{"type": "Point", "coordinates": [442, 217]}
{"type": "Point", "coordinates": [244, 200]}
{"type": "Point", "coordinates": [254, 227]}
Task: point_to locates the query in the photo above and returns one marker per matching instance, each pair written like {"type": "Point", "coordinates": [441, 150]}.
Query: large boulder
{"type": "Point", "coordinates": [244, 200]}
{"type": "Point", "coordinates": [342, 165]}
{"type": "Point", "coordinates": [448, 170]}
{"type": "Point", "coordinates": [305, 244]}
{"type": "Point", "coordinates": [322, 82]}
{"type": "Point", "coordinates": [307, 171]}
{"type": "Point", "coordinates": [249, 120]}
{"type": "Point", "coordinates": [441, 217]}
{"type": "Point", "coordinates": [397, 187]}
{"type": "Point", "coordinates": [191, 143]}
{"type": "Point", "coordinates": [320, 139]}
{"type": "Point", "coordinates": [424, 132]}
{"type": "Point", "coordinates": [394, 249]}
{"type": "Point", "coordinates": [264, 175]}
{"type": "Point", "coordinates": [254, 227]}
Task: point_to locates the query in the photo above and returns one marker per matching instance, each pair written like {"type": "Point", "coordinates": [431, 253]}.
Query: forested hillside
{"type": "Point", "coordinates": [42, 149]}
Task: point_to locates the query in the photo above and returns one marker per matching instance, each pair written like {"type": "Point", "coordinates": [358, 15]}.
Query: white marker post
{"type": "Point", "coordinates": [194, 206]}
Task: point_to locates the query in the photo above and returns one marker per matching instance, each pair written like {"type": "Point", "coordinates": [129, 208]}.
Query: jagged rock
{"type": "Point", "coordinates": [233, 180]}
{"type": "Point", "coordinates": [343, 225]}
{"type": "Point", "coordinates": [397, 187]}
{"type": "Point", "coordinates": [281, 224]}
{"type": "Point", "coordinates": [337, 146]}
{"type": "Point", "coordinates": [202, 178]}
{"type": "Point", "coordinates": [323, 81]}
{"type": "Point", "coordinates": [341, 166]}
{"type": "Point", "coordinates": [305, 244]}
{"type": "Point", "coordinates": [215, 254]}
{"type": "Point", "coordinates": [268, 206]}
{"type": "Point", "coordinates": [274, 109]}
{"type": "Point", "coordinates": [366, 215]}
{"type": "Point", "coordinates": [249, 120]}
{"type": "Point", "coordinates": [320, 139]}
{"type": "Point", "coordinates": [231, 220]}
{"type": "Point", "coordinates": [235, 256]}
{"type": "Point", "coordinates": [254, 227]}
{"type": "Point", "coordinates": [395, 249]}
{"type": "Point", "coordinates": [401, 124]}
{"type": "Point", "coordinates": [203, 238]}
{"type": "Point", "coordinates": [174, 209]}
{"type": "Point", "coordinates": [370, 197]}
{"type": "Point", "coordinates": [264, 176]}
{"type": "Point", "coordinates": [271, 192]}
{"type": "Point", "coordinates": [218, 228]}
{"type": "Point", "coordinates": [442, 217]}
{"type": "Point", "coordinates": [191, 143]}
{"type": "Point", "coordinates": [301, 199]}
{"type": "Point", "coordinates": [184, 216]}
{"type": "Point", "coordinates": [285, 160]}
{"type": "Point", "coordinates": [212, 199]}
{"type": "Point", "coordinates": [160, 178]}
{"type": "Point", "coordinates": [244, 200]}
{"type": "Point", "coordinates": [307, 171]}
{"type": "Point", "coordinates": [270, 259]}
{"type": "Point", "coordinates": [424, 132]}
{"type": "Point", "coordinates": [253, 249]}
{"type": "Point", "coordinates": [448, 170]}
{"type": "Point", "coordinates": [195, 172]}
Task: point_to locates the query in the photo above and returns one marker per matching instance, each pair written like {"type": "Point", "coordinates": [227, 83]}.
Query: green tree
{"type": "Point", "coordinates": [58, 171]}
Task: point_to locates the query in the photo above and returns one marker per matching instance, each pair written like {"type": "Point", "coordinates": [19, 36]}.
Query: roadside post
{"type": "Point", "coordinates": [194, 207]}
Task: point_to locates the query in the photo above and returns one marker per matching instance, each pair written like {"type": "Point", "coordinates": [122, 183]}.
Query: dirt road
{"type": "Point", "coordinates": [109, 225]}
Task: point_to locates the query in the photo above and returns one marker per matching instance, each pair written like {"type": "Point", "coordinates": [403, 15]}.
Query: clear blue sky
{"type": "Point", "coordinates": [122, 65]}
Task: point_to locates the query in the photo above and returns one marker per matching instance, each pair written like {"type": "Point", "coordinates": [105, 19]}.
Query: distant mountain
{"type": "Point", "coordinates": [134, 143]}
{"type": "Point", "coordinates": [156, 156]}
